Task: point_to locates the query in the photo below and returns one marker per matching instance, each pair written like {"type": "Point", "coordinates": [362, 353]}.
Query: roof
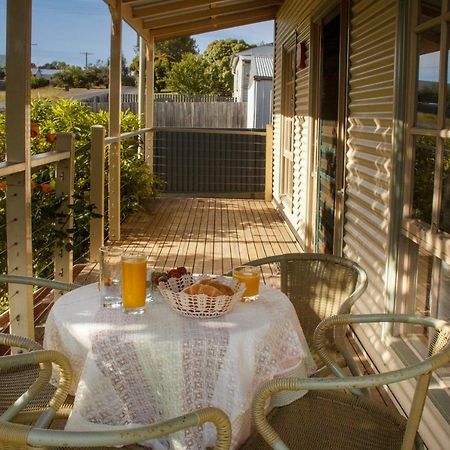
{"type": "Point", "coordinates": [167, 19]}
{"type": "Point", "coordinates": [263, 67]}
{"type": "Point", "coordinates": [265, 50]}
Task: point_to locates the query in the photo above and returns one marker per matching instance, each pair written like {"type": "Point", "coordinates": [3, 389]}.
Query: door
{"type": "Point", "coordinates": [331, 133]}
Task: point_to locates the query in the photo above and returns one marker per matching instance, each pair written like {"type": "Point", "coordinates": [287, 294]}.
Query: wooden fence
{"type": "Point", "coordinates": [190, 114]}
{"type": "Point", "coordinates": [183, 111]}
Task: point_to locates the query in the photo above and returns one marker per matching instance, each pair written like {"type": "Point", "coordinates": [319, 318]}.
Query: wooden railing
{"type": "Point", "coordinates": [18, 192]}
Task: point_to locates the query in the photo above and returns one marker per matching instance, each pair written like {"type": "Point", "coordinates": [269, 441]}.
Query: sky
{"type": "Point", "coordinates": [65, 30]}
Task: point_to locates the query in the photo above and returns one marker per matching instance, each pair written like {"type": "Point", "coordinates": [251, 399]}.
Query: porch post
{"type": "Point", "coordinates": [141, 88]}
{"type": "Point", "coordinates": [18, 199]}
{"type": "Point", "coordinates": [97, 193]}
{"type": "Point", "coordinates": [63, 270]}
{"type": "Point", "coordinates": [149, 99]}
{"type": "Point", "coordinates": [115, 98]}
{"type": "Point", "coordinates": [269, 163]}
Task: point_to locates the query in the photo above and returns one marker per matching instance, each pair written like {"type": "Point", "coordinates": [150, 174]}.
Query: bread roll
{"type": "Point", "coordinates": [208, 287]}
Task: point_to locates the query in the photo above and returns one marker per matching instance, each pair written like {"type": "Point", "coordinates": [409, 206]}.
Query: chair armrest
{"type": "Point", "coordinates": [44, 358]}
{"type": "Point", "coordinates": [54, 438]}
{"type": "Point", "coordinates": [421, 370]}
{"type": "Point", "coordinates": [32, 281]}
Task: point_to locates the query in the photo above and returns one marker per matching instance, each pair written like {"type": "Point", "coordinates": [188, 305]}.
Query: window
{"type": "Point", "coordinates": [424, 285]}
{"type": "Point", "coordinates": [287, 122]}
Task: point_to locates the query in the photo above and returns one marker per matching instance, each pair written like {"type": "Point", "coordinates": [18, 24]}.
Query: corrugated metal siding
{"type": "Point", "coordinates": [295, 14]}
{"type": "Point", "coordinates": [263, 67]}
{"type": "Point", "coordinates": [369, 146]}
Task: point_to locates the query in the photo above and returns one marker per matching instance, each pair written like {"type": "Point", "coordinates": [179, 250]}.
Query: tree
{"type": "Point", "coordinates": [167, 53]}
{"type": "Point", "coordinates": [174, 49]}
{"type": "Point", "coordinates": [189, 76]}
{"type": "Point", "coordinates": [55, 65]}
{"type": "Point", "coordinates": [218, 55]}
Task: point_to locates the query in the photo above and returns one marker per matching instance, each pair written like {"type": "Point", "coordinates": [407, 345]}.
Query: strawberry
{"type": "Point", "coordinates": [173, 273]}
{"type": "Point", "coordinates": [182, 270]}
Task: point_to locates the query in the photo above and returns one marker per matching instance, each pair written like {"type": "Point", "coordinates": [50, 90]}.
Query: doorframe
{"type": "Point", "coordinates": [341, 8]}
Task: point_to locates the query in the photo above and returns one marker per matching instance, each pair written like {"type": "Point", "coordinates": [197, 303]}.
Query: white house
{"type": "Point", "coordinates": [253, 72]}
{"type": "Point", "coordinates": [259, 98]}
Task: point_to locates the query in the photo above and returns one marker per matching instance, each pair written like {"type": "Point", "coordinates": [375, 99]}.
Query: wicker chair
{"type": "Point", "coordinates": [326, 417]}
{"type": "Point", "coordinates": [15, 381]}
{"type": "Point", "coordinates": [18, 436]}
{"type": "Point", "coordinates": [319, 286]}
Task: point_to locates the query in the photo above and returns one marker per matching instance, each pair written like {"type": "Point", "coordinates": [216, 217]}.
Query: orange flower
{"type": "Point", "coordinates": [2, 185]}
{"type": "Point", "coordinates": [46, 187]}
{"type": "Point", "coordinates": [35, 129]}
{"type": "Point", "coordinates": [50, 137]}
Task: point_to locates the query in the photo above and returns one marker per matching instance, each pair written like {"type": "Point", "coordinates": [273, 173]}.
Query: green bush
{"type": "Point", "coordinates": [52, 116]}
{"type": "Point", "coordinates": [38, 82]}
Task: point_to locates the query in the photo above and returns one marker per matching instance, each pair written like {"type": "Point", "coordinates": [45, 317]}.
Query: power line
{"type": "Point", "coordinates": [86, 55]}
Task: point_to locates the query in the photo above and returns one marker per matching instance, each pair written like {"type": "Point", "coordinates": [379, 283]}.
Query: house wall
{"type": "Point", "coordinates": [368, 164]}
{"type": "Point", "coordinates": [294, 14]}
{"type": "Point", "coordinates": [259, 105]}
{"type": "Point", "coordinates": [369, 126]}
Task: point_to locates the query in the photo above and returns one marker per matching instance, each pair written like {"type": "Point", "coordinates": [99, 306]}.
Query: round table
{"type": "Point", "coordinates": [131, 370]}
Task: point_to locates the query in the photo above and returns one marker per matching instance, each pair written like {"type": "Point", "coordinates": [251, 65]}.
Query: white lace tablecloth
{"type": "Point", "coordinates": [132, 370]}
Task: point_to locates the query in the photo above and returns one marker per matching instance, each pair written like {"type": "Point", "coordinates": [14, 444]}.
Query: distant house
{"type": "Point", "coordinates": [44, 73]}
{"type": "Point", "coordinates": [253, 72]}
{"type": "Point", "coordinates": [259, 103]}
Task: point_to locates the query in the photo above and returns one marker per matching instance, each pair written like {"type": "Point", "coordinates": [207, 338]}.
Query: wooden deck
{"type": "Point", "coordinates": [207, 235]}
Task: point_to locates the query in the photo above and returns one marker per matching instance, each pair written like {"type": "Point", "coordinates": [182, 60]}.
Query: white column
{"type": "Point", "coordinates": [63, 270]}
{"type": "Point", "coordinates": [18, 201]}
{"type": "Point", "coordinates": [97, 193]}
{"type": "Point", "coordinates": [149, 98]}
{"type": "Point", "coordinates": [115, 100]}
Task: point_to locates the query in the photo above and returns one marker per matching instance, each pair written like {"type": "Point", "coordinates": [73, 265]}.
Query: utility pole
{"type": "Point", "coordinates": [86, 55]}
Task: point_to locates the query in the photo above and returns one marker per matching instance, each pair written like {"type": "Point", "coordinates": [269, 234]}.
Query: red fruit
{"type": "Point", "coordinates": [182, 270]}
{"type": "Point", "coordinates": [173, 273]}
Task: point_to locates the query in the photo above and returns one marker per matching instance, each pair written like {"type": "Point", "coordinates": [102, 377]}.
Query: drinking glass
{"type": "Point", "coordinates": [134, 286]}
{"type": "Point", "coordinates": [250, 276]}
{"type": "Point", "coordinates": [110, 277]}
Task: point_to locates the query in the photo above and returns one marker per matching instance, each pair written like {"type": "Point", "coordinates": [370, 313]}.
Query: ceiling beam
{"type": "Point", "coordinates": [208, 13]}
{"type": "Point", "coordinates": [164, 7]}
{"type": "Point", "coordinates": [213, 24]}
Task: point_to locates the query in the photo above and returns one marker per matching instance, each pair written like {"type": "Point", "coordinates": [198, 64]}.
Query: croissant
{"type": "Point", "coordinates": [211, 288]}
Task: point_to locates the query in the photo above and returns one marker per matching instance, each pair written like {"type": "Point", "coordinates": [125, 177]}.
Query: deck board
{"type": "Point", "coordinates": [208, 235]}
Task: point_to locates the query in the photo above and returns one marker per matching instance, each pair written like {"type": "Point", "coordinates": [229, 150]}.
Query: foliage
{"type": "Point", "coordinates": [56, 65]}
{"type": "Point", "coordinates": [94, 75]}
{"type": "Point", "coordinates": [38, 82]}
{"type": "Point", "coordinates": [49, 117]}
{"type": "Point", "coordinates": [174, 49]}
{"type": "Point", "coordinates": [190, 76]}
{"type": "Point", "coordinates": [424, 165]}
{"type": "Point", "coordinates": [166, 54]}
{"type": "Point", "coordinates": [218, 55]}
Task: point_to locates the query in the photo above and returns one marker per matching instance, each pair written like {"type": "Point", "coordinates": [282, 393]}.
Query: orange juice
{"type": "Point", "coordinates": [250, 277]}
{"type": "Point", "coordinates": [134, 271]}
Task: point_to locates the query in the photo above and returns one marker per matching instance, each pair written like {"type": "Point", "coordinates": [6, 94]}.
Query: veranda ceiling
{"type": "Point", "coordinates": [173, 18]}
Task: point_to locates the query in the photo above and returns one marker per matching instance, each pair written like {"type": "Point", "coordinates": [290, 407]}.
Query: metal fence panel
{"type": "Point", "coordinates": [194, 162]}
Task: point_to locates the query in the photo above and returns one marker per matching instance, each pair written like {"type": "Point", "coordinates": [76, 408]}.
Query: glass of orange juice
{"type": "Point", "coordinates": [134, 286]}
{"type": "Point", "coordinates": [250, 276]}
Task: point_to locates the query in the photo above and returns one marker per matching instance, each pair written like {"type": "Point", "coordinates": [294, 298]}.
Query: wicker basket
{"type": "Point", "coordinates": [201, 306]}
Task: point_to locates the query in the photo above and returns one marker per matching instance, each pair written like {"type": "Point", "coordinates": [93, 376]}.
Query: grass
{"type": "Point", "coordinates": [48, 91]}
